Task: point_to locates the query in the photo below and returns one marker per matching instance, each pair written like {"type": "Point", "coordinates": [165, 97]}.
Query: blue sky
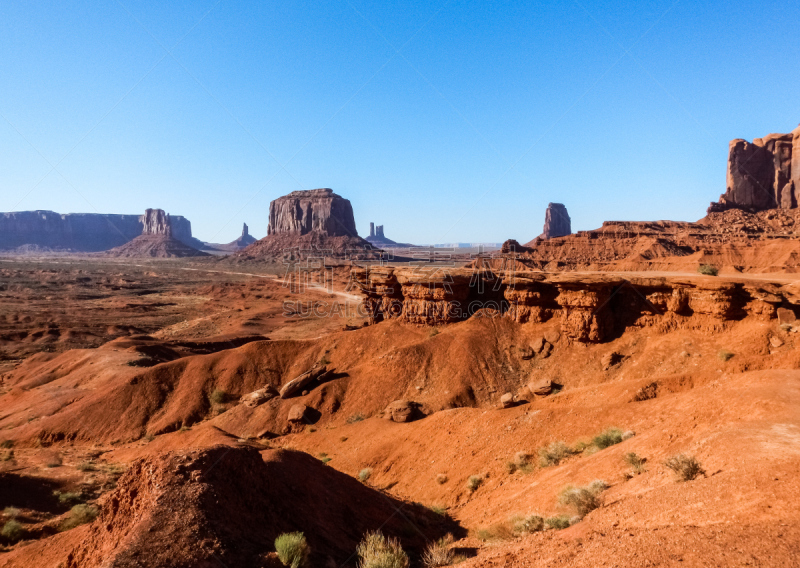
{"type": "Point", "coordinates": [443, 121]}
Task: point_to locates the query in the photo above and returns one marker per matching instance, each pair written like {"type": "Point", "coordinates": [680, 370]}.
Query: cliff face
{"type": "Point", "coordinates": [556, 221]}
{"type": "Point", "coordinates": [315, 210]}
{"type": "Point", "coordinates": [762, 174]}
{"type": "Point", "coordinates": [80, 232]}
{"type": "Point", "coordinates": [589, 308]}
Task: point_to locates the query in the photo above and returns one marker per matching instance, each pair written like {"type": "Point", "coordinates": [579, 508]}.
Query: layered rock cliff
{"type": "Point", "coordinates": [80, 232]}
{"type": "Point", "coordinates": [589, 308]}
{"type": "Point", "coordinates": [313, 210]}
{"type": "Point", "coordinates": [762, 174]}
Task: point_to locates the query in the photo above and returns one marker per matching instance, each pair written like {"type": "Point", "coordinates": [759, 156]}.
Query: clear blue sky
{"type": "Point", "coordinates": [443, 121]}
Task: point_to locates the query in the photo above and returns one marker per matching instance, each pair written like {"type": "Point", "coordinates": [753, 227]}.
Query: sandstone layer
{"type": "Point", "coordinates": [589, 308]}
{"type": "Point", "coordinates": [556, 221]}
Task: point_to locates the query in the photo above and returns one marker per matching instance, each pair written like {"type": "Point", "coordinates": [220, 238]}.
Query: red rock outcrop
{"type": "Point", "coordinates": [556, 221]}
{"type": "Point", "coordinates": [318, 210]}
{"type": "Point", "coordinates": [156, 241]}
{"type": "Point", "coordinates": [762, 174]}
{"type": "Point", "coordinates": [589, 308]}
{"type": "Point", "coordinates": [311, 223]}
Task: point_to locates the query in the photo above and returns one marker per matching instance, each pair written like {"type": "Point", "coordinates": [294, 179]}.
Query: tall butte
{"type": "Point", "coordinates": [762, 174]}
{"type": "Point", "coordinates": [312, 210]}
{"type": "Point", "coordinates": [310, 220]}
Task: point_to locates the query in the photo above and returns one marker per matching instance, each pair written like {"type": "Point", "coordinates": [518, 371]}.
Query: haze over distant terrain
{"type": "Point", "coordinates": [442, 122]}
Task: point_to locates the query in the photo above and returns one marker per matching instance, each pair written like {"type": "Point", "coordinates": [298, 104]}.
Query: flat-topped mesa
{"type": "Point", "coordinates": [556, 221]}
{"type": "Point", "coordinates": [588, 308]}
{"type": "Point", "coordinates": [314, 210]}
{"type": "Point", "coordinates": [762, 174]}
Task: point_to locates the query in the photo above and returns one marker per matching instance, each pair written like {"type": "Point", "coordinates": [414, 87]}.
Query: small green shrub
{"type": "Point", "coordinates": [292, 549]}
{"type": "Point", "coordinates": [434, 332]}
{"type": "Point", "coordinates": [554, 454]}
{"type": "Point", "coordinates": [377, 551]}
{"type": "Point", "coordinates": [527, 525]}
{"type": "Point", "coordinates": [365, 474]}
{"type": "Point", "coordinates": [685, 467]}
{"type": "Point", "coordinates": [582, 499]}
{"type": "Point", "coordinates": [439, 553]}
{"type": "Point", "coordinates": [497, 531]}
{"type": "Point", "coordinates": [326, 459]}
{"type": "Point", "coordinates": [12, 530]}
{"type": "Point", "coordinates": [558, 522]}
{"type": "Point", "coordinates": [79, 515]}
{"type": "Point", "coordinates": [473, 482]}
{"type": "Point", "coordinates": [725, 355]}
{"type": "Point", "coordinates": [67, 497]}
{"type": "Point", "coordinates": [11, 512]}
{"type": "Point", "coordinates": [324, 360]}
{"type": "Point", "coordinates": [635, 462]}
{"type": "Point", "coordinates": [607, 438]}
{"type": "Point", "coordinates": [708, 270]}
{"type": "Point", "coordinates": [357, 417]}
{"type": "Point", "coordinates": [7, 456]}
{"type": "Point", "coordinates": [219, 396]}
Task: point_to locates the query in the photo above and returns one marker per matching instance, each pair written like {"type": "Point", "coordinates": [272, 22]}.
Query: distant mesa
{"type": "Point", "coordinates": [48, 231]}
{"type": "Point", "coordinates": [156, 240]}
{"type": "Point", "coordinates": [377, 238]}
{"type": "Point", "coordinates": [310, 220]}
{"type": "Point", "coordinates": [762, 174]}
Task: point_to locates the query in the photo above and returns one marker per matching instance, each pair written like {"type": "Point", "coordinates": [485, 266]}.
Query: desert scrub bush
{"type": "Point", "coordinates": [558, 522]}
{"type": "Point", "coordinates": [11, 512]}
{"type": "Point", "coordinates": [520, 462]}
{"type": "Point", "coordinates": [67, 497]}
{"type": "Point", "coordinates": [85, 466]}
{"type": "Point", "coordinates": [441, 478]}
{"type": "Point", "coordinates": [79, 515]}
{"type": "Point", "coordinates": [377, 551]}
{"type": "Point", "coordinates": [292, 549]}
{"type": "Point", "coordinates": [498, 531]}
{"type": "Point", "coordinates": [607, 438]}
{"type": "Point", "coordinates": [440, 510]}
{"type": "Point", "coordinates": [527, 525]}
{"type": "Point", "coordinates": [554, 454]}
{"type": "Point", "coordinates": [708, 270]}
{"type": "Point", "coordinates": [353, 418]}
{"type": "Point", "coordinates": [365, 474]}
{"type": "Point", "coordinates": [7, 444]}
{"type": "Point", "coordinates": [582, 499]}
{"type": "Point", "coordinates": [434, 332]}
{"type": "Point", "coordinates": [473, 482]}
{"type": "Point", "coordinates": [685, 467]}
{"type": "Point", "coordinates": [12, 530]}
{"type": "Point", "coordinates": [636, 462]}
{"type": "Point", "coordinates": [439, 553]}
{"type": "Point", "coordinates": [325, 360]}
{"type": "Point", "coordinates": [219, 396]}
{"type": "Point", "coordinates": [725, 355]}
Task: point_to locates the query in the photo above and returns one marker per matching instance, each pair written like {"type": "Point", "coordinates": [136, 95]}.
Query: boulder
{"type": "Point", "coordinates": [507, 400]}
{"type": "Point", "coordinates": [259, 397]}
{"type": "Point", "coordinates": [539, 344]}
{"type": "Point", "coordinates": [542, 387]}
{"type": "Point", "coordinates": [526, 352]}
{"type": "Point", "coordinates": [786, 316]}
{"type": "Point", "coordinates": [298, 383]}
{"type": "Point", "coordinates": [402, 411]}
{"type": "Point", "coordinates": [299, 414]}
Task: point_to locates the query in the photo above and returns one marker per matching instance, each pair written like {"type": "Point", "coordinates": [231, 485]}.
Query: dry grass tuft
{"type": "Point", "coordinates": [583, 499]}
{"type": "Point", "coordinates": [439, 553]}
{"type": "Point", "coordinates": [554, 454]}
{"type": "Point", "coordinates": [292, 549]}
{"type": "Point", "coordinates": [365, 474]}
{"type": "Point", "coordinates": [377, 551]}
{"type": "Point", "coordinates": [685, 467]}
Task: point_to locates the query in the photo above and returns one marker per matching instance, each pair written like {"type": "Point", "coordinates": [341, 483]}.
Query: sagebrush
{"type": "Point", "coordinates": [686, 467]}
{"type": "Point", "coordinates": [292, 549]}
{"type": "Point", "coordinates": [378, 551]}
